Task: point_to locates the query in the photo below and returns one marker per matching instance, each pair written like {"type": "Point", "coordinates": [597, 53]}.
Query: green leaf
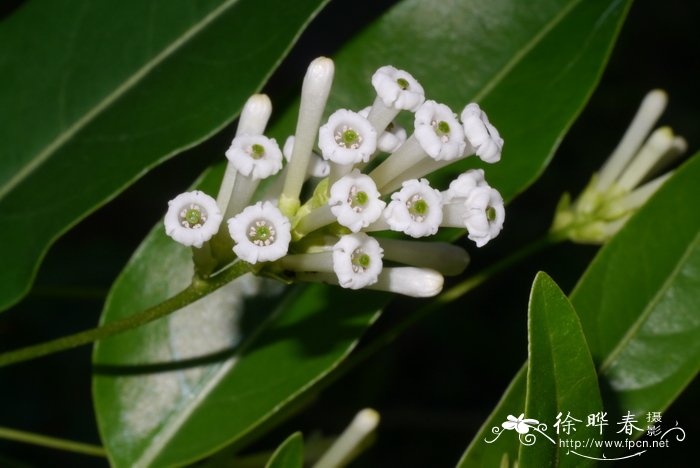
{"type": "Point", "coordinates": [637, 303]}
{"type": "Point", "coordinates": [290, 454]}
{"type": "Point", "coordinates": [521, 63]}
{"type": "Point", "coordinates": [561, 379]}
{"type": "Point", "coordinates": [532, 66]}
{"type": "Point", "coordinates": [109, 91]}
{"type": "Point", "coordinates": [214, 372]}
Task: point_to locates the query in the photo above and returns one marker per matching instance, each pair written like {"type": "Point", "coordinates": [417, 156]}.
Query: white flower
{"type": "Point", "coordinates": [391, 138]}
{"type": "Point", "coordinates": [357, 260]}
{"type": "Point", "coordinates": [255, 156]}
{"type": "Point", "coordinates": [520, 424]}
{"type": "Point", "coordinates": [354, 201]}
{"type": "Point", "coordinates": [397, 88]}
{"type": "Point", "coordinates": [462, 186]}
{"type": "Point", "coordinates": [261, 232]}
{"type": "Point", "coordinates": [347, 138]}
{"type": "Point", "coordinates": [314, 94]}
{"type": "Point", "coordinates": [318, 167]}
{"type": "Point", "coordinates": [481, 135]}
{"type": "Point", "coordinates": [415, 210]}
{"type": "Point", "coordinates": [192, 218]}
{"type": "Point", "coordinates": [410, 281]}
{"type": "Point", "coordinates": [481, 212]}
{"type": "Point", "coordinates": [438, 131]}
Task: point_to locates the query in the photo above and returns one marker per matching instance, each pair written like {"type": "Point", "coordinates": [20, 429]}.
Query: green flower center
{"type": "Point", "coordinates": [193, 216]}
{"type": "Point", "coordinates": [348, 137]}
{"type": "Point", "coordinates": [418, 208]}
{"type": "Point", "coordinates": [261, 233]}
{"type": "Point", "coordinates": [359, 199]}
{"type": "Point", "coordinates": [402, 82]}
{"type": "Point", "coordinates": [442, 128]}
{"type": "Point", "coordinates": [360, 260]}
{"type": "Point", "coordinates": [491, 213]}
{"type": "Point", "coordinates": [257, 151]}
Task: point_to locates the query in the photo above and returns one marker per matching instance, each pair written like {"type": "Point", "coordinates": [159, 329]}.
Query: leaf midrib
{"type": "Point", "coordinates": [523, 51]}
{"type": "Point", "coordinates": [34, 163]}
{"type": "Point", "coordinates": [172, 425]}
{"type": "Point", "coordinates": [642, 318]}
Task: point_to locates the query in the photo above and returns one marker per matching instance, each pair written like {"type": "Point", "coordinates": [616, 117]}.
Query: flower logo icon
{"type": "Point", "coordinates": [520, 424]}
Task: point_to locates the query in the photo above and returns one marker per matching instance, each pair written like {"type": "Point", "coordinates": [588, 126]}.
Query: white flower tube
{"type": "Point", "coordinates": [649, 112]}
{"type": "Point", "coordinates": [192, 218]}
{"type": "Point", "coordinates": [393, 136]}
{"type": "Point", "coordinates": [354, 201]}
{"type": "Point", "coordinates": [415, 210]}
{"type": "Point", "coordinates": [253, 120]}
{"type": "Point", "coordinates": [347, 445]}
{"type": "Point", "coordinates": [314, 94]}
{"type": "Point", "coordinates": [318, 167]}
{"type": "Point", "coordinates": [261, 233]}
{"type": "Point", "coordinates": [410, 281]}
{"type": "Point", "coordinates": [659, 143]}
{"type": "Point", "coordinates": [438, 136]}
{"type": "Point", "coordinates": [447, 259]}
{"type": "Point", "coordinates": [255, 157]}
{"type": "Point", "coordinates": [481, 212]}
{"type": "Point", "coordinates": [396, 90]}
{"type": "Point", "coordinates": [355, 262]}
{"type": "Point", "coordinates": [483, 137]}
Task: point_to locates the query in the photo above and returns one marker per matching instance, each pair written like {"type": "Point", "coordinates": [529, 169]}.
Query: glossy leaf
{"type": "Point", "coordinates": [180, 388]}
{"type": "Point", "coordinates": [515, 56]}
{"type": "Point", "coordinates": [290, 454]}
{"type": "Point", "coordinates": [561, 380]}
{"type": "Point", "coordinates": [532, 67]}
{"type": "Point", "coordinates": [637, 303]}
{"type": "Point", "coordinates": [112, 89]}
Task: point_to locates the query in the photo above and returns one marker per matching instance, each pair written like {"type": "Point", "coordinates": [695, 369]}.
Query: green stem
{"type": "Point", "coordinates": [52, 442]}
{"type": "Point", "coordinates": [198, 289]}
{"type": "Point", "coordinates": [452, 294]}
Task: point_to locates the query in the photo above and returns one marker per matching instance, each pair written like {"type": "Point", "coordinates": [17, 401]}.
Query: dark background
{"type": "Point", "coordinates": [436, 384]}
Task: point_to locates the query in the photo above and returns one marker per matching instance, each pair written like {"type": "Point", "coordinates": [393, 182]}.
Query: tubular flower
{"type": "Point", "coordinates": [483, 137]}
{"type": "Point", "coordinates": [626, 181]}
{"type": "Point", "coordinates": [415, 210]}
{"type": "Point", "coordinates": [481, 212]}
{"type": "Point", "coordinates": [347, 138]}
{"type": "Point", "coordinates": [255, 156]}
{"type": "Point", "coordinates": [322, 230]}
{"type": "Point", "coordinates": [318, 167]}
{"type": "Point", "coordinates": [192, 218]}
{"type": "Point", "coordinates": [393, 136]}
{"type": "Point", "coordinates": [397, 88]}
{"type": "Point", "coordinates": [261, 233]}
{"type": "Point", "coordinates": [357, 260]}
{"type": "Point", "coordinates": [462, 186]}
{"type": "Point", "coordinates": [438, 132]}
{"type": "Point", "coordinates": [354, 201]}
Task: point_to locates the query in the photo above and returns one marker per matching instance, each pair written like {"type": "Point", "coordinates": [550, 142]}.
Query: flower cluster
{"type": "Point", "coordinates": [626, 180]}
{"type": "Point", "coordinates": [369, 176]}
